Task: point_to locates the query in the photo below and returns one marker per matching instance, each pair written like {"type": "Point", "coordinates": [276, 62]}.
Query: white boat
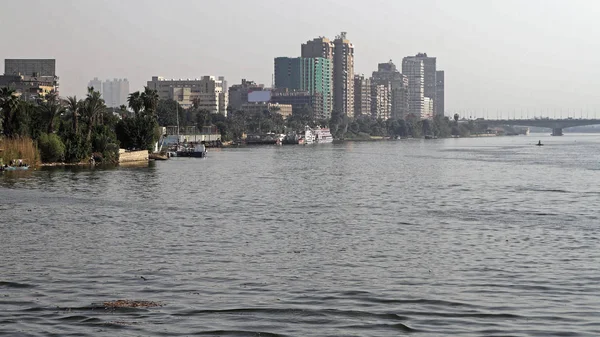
{"type": "Point", "coordinates": [309, 136]}
{"type": "Point", "coordinates": [317, 136]}
{"type": "Point", "coordinates": [323, 136]}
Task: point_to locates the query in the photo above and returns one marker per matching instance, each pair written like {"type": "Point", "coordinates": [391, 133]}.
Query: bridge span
{"type": "Point", "coordinates": [557, 125]}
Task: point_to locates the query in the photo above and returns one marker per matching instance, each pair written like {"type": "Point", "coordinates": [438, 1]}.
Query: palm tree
{"type": "Point", "coordinates": [93, 106]}
{"type": "Point", "coordinates": [9, 103]}
{"type": "Point", "coordinates": [135, 102]}
{"type": "Point", "coordinates": [74, 106]}
{"type": "Point", "coordinates": [51, 107]}
{"type": "Point", "coordinates": [150, 99]}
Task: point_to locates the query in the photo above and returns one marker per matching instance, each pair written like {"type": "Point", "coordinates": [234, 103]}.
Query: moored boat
{"type": "Point", "coordinates": [191, 150]}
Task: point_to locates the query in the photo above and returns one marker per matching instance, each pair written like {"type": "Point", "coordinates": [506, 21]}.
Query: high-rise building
{"type": "Point", "coordinates": [208, 93]}
{"type": "Point", "coordinates": [238, 93]}
{"type": "Point", "coordinates": [388, 73]}
{"type": "Point", "coordinates": [362, 96]}
{"type": "Point", "coordinates": [311, 74]}
{"type": "Point", "coordinates": [96, 84]}
{"type": "Point", "coordinates": [413, 69]}
{"type": "Point", "coordinates": [430, 72]}
{"type": "Point", "coordinates": [114, 92]}
{"type": "Point", "coordinates": [318, 47]}
{"type": "Point", "coordinates": [381, 100]}
{"type": "Point", "coordinates": [343, 75]}
{"type": "Point", "coordinates": [439, 106]}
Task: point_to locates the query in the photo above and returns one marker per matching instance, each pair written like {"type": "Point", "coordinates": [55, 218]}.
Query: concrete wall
{"type": "Point", "coordinates": [132, 156]}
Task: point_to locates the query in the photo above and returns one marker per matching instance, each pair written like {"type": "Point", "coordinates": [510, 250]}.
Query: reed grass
{"type": "Point", "coordinates": [19, 148]}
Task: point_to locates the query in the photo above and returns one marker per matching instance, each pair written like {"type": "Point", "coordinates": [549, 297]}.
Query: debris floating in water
{"type": "Point", "coordinates": [131, 304]}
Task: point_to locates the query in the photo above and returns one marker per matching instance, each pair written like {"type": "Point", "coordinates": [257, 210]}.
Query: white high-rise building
{"type": "Point", "coordinates": [96, 84]}
{"type": "Point", "coordinates": [414, 70]}
{"type": "Point", "coordinates": [114, 92]}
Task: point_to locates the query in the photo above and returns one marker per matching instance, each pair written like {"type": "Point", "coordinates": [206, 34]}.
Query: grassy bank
{"type": "Point", "coordinates": [19, 148]}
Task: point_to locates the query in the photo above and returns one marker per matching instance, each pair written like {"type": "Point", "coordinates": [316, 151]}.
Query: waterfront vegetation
{"type": "Point", "coordinates": [74, 130]}
{"type": "Point", "coordinates": [342, 127]}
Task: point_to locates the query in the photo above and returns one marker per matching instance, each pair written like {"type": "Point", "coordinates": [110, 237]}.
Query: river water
{"type": "Point", "coordinates": [470, 237]}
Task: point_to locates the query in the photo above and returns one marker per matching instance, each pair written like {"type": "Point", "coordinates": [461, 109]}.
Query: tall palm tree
{"type": "Point", "coordinates": [135, 102]}
{"type": "Point", "coordinates": [9, 103]}
{"type": "Point", "coordinates": [74, 106]}
{"type": "Point", "coordinates": [92, 108]}
{"type": "Point", "coordinates": [51, 107]}
{"type": "Point", "coordinates": [150, 99]}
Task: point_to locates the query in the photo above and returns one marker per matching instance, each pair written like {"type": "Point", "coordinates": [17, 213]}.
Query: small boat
{"type": "Point", "coordinates": [14, 168]}
{"type": "Point", "coordinates": [539, 143]}
{"type": "Point", "coordinates": [191, 150]}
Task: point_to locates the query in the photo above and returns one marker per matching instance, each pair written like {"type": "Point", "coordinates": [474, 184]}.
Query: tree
{"type": "Point", "coordinates": [166, 112]}
{"type": "Point", "coordinates": [51, 107]}
{"type": "Point", "coordinates": [9, 103]}
{"type": "Point", "coordinates": [149, 101]}
{"type": "Point", "coordinates": [74, 106]}
{"type": "Point", "coordinates": [135, 102]}
{"type": "Point", "coordinates": [92, 108]}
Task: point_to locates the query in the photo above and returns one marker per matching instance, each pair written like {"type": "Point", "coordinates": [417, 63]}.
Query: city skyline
{"type": "Point", "coordinates": [496, 61]}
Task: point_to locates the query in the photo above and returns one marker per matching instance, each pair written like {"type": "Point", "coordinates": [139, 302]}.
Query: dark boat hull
{"type": "Point", "coordinates": [191, 154]}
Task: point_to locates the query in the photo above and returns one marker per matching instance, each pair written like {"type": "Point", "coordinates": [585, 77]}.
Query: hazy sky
{"type": "Point", "coordinates": [504, 55]}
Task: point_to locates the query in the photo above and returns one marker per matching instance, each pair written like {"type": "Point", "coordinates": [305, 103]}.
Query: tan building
{"type": "Point", "coordinates": [428, 110]}
{"type": "Point", "coordinates": [318, 47]}
{"type": "Point", "coordinates": [343, 75]}
{"type": "Point", "coordinates": [207, 93]}
{"type": "Point", "coordinates": [28, 87]}
{"type": "Point", "coordinates": [362, 96]}
{"type": "Point", "coordinates": [381, 101]}
{"type": "Point", "coordinates": [285, 110]}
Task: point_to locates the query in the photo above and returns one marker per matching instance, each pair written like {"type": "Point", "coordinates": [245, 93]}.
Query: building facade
{"type": "Point", "coordinates": [343, 75]}
{"type": "Point", "coordinates": [238, 93]}
{"type": "Point", "coordinates": [114, 92]}
{"type": "Point", "coordinates": [381, 100]}
{"type": "Point", "coordinates": [413, 69]}
{"type": "Point", "coordinates": [429, 75]}
{"type": "Point", "coordinates": [96, 84]}
{"type": "Point", "coordinates": [362, 96]}
{"type": "Point", "coordinates": [428, 110]}
{"type": "Point", "coordinates": [310, 74]}
{"type": "Point", "coordinates": [30, 78]}
{"type": "Point", "coordinates": [208, 93]}
{"type": "Point", "coordinates": [29, 87]}
{"type": "Point", "coordinates": [285, 110]}
{"type": "Point", "coordinates": [440, 108]}
{"type": "Point", "coordinates": [30, 67]}
{"type": "Point", "coordinates": [388, 73]}
{"type": "Point", "coordinates": [299, 99]}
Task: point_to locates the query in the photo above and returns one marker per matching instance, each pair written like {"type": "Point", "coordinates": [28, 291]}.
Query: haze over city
{"type": "Point", "coordinates": [517, 57]}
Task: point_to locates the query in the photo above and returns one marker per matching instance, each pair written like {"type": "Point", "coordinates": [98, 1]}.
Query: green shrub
{"type": "Point", "coordinates": [77, 148]}
{"type": "Point", "coordinates": [51, 147]}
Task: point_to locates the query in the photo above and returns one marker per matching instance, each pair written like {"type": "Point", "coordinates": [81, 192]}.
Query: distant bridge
{"type": "Point", "coordinates": [557, 125]}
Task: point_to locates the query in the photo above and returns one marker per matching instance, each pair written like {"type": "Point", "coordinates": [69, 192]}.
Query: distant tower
{"type": "Point", "coordinates": [429, 76]}
{"type": "Point", "coordinates": [343, 75]}
{"type": "Point", "coordinates": [413, 69]}
{"type": "Point", "coordinates": [439, 106]}
{"type": "Point", "coordinates": [96, 84]}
